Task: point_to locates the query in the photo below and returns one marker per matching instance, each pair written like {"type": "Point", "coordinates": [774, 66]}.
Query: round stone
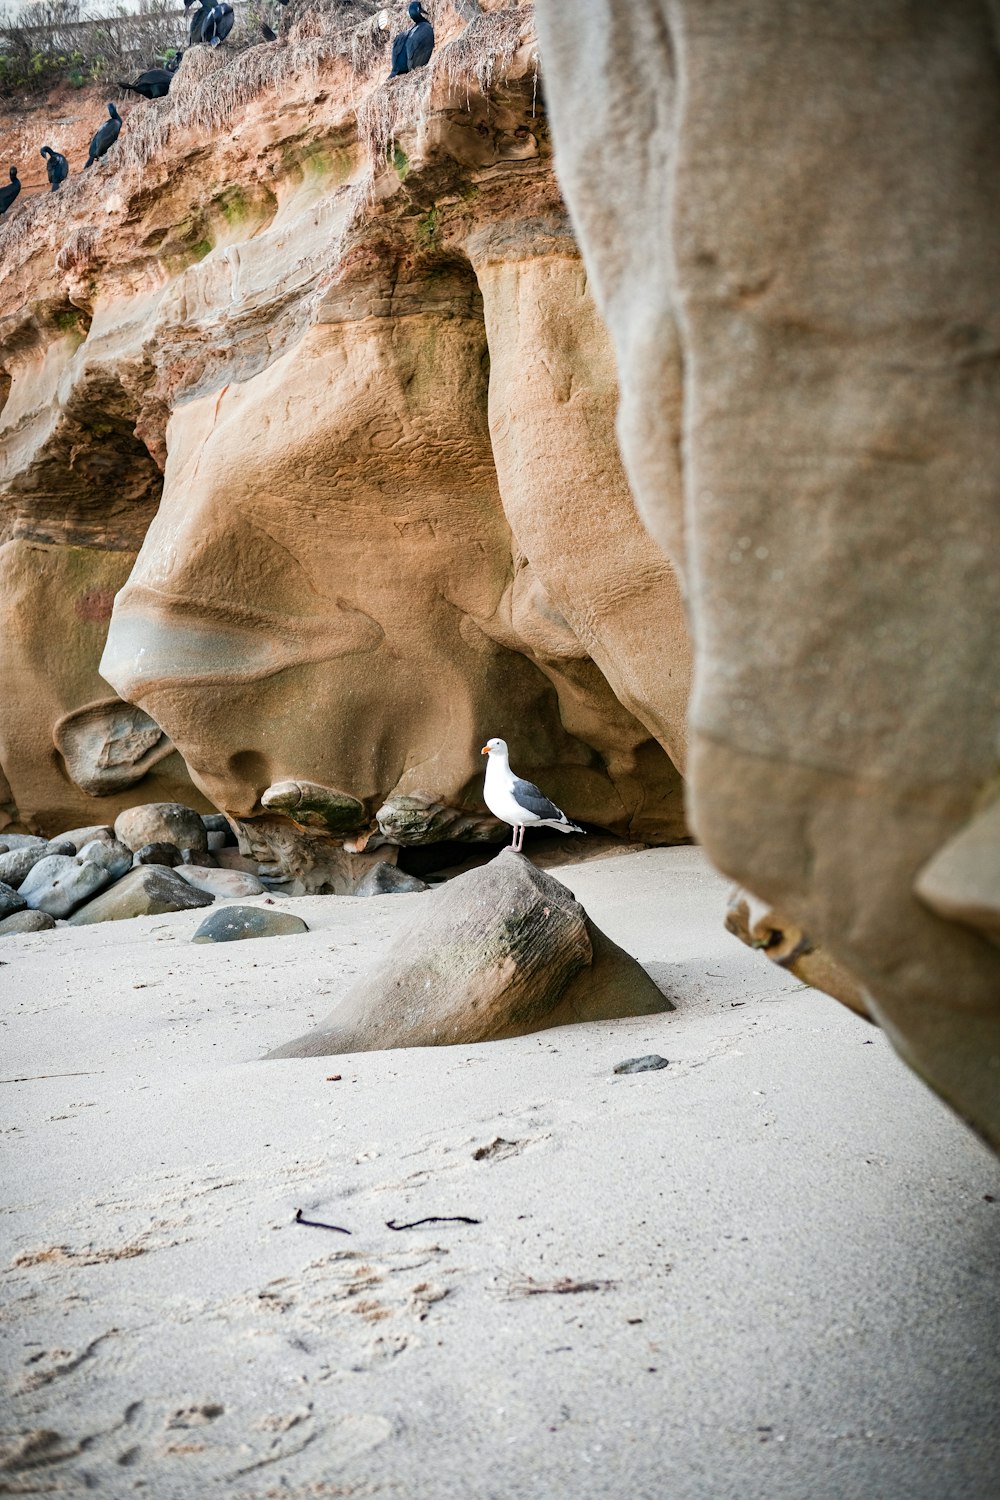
{"type": "Point", "coordinates": [651, 1063]}
{"type": "Point", "coordinates": [161, 823]}
{"type": "Point", "coordinates": [230, 924]}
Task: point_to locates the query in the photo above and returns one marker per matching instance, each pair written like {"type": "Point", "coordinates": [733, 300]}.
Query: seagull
{"type": "Point", "coordinates": [198, 20]}
{"type": "Point", "coordinates": [519, 803]}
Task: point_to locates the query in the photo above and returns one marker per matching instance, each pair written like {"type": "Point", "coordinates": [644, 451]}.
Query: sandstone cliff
{"type": "Point", "coordinates": [309, 380]}
{"type": "Point", "coordinates": [306, 378]}
{"type": "Point", "coordinates": [800, 270]}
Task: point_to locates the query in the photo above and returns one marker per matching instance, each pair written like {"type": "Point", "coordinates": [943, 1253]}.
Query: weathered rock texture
{"type": "Point", "coordinates": [307, 377]}
{"type": "Point", "coordinates": [793, 232]}
{"type": "Point", "coordinates": [503, 950]}
{"type": "Point", "coordinates": [236, 924]}
{"type": "Point", "coordinates": [786, 945]}
{"type": "Point", "coordinates": [161, 823]}
{"type": "Point", "coordinates": [144, 892]}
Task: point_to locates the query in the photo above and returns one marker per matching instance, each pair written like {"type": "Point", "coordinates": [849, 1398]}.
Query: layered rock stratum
{"type": "Point", "coordinates": [305, 380]}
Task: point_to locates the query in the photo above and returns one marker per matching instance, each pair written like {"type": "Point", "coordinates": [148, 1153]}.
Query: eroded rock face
{"type": "Point", "coordinates": [808, 420]}
{"type": "Point", "coordinates": [71, 752]}
{"type": "Point", "coordinates": [109, 746]}
{"type": "Point", "coordinates": [962, 880]}
{"type": "Point", "coordinates": [393, 519]}
{"type": "Point", "coordinates": [786, 945]}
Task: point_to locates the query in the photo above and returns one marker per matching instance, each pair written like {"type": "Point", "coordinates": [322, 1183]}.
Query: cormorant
{"type": "Point", "coordinates": [8, 194]}
{"type": "Point", "coordinates": [399, 65]}
{"type": "Point", "coordinates": [268, 34]}
{"type": "Point", "coordinates": [412, 49]}
{"type": "Point", "coordinates": [218, 24]}
{"type": "Point", "coordinates": [105, 137]}
{"type": "Point", "coordinates": [198, 20]}
{"type": "Point", "coordinates": [155, 82]}
{"type": "Point", "coordinates": [56, 165]}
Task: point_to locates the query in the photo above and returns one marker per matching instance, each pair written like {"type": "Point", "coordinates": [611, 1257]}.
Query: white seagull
{"type": "Point", "coordinates": [519, 803]}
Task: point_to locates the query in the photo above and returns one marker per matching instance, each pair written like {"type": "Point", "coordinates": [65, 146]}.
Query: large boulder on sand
{"type": "Point", "coordinates": [500, 951]}
{"type": "Point", "coordinates": [234, 924]}
{"type": "Point", "coordinates": [161, 823]}
{"type": "Point", "coordinates": [145, 892]}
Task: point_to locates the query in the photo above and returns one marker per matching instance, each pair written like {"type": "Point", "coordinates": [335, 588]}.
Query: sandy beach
{"type": "Point", "coordinates": [766, 1270]}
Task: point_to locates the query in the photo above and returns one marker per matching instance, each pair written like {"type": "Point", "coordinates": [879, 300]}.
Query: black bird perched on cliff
{"type": "Point", "coordinates": [56, 165]}
{"type": "Point", "coordinates": [412, 49]}
{"type": "Point", "coordinates": [105, 137]}
{"type": "Point", "coordinates": [155, 82]}
{"type": "Point", "coordinates": [268, 34]}
{"type": "Point", "coordinates": [198, 20]}
{"type": "Point", "coordinates": [217, 25]}
{"type": "Point", "coordinates": [8, 194]}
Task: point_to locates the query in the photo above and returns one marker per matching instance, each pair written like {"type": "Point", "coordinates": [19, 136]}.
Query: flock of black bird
{"type": "Point", "coordinates": [210, 25]}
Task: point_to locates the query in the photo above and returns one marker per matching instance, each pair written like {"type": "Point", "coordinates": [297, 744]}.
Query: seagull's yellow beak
{"type": "Point", "coordinates": [485, 750]}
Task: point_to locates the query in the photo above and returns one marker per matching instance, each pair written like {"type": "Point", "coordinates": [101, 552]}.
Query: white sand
{"type": "Point", "coordinates": [796, 1267]}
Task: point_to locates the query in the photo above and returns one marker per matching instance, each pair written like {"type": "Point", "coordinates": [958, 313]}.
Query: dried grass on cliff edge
{"type": "Point", "coordinates": [480, 54]}
{"type": "Point", "coordinates": [486, 48]}
{"type": "Point", "coordinates": [213, 89]}
{"type": "Point", "coordinates": [210, 91]}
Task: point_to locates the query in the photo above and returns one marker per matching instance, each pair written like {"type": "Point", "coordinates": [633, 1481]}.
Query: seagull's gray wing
{"type": "Point", "coordinates": [534, 800]}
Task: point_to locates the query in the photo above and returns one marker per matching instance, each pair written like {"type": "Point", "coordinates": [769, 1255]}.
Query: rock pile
{"type": "Point", "coordinates": [156, 858]}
